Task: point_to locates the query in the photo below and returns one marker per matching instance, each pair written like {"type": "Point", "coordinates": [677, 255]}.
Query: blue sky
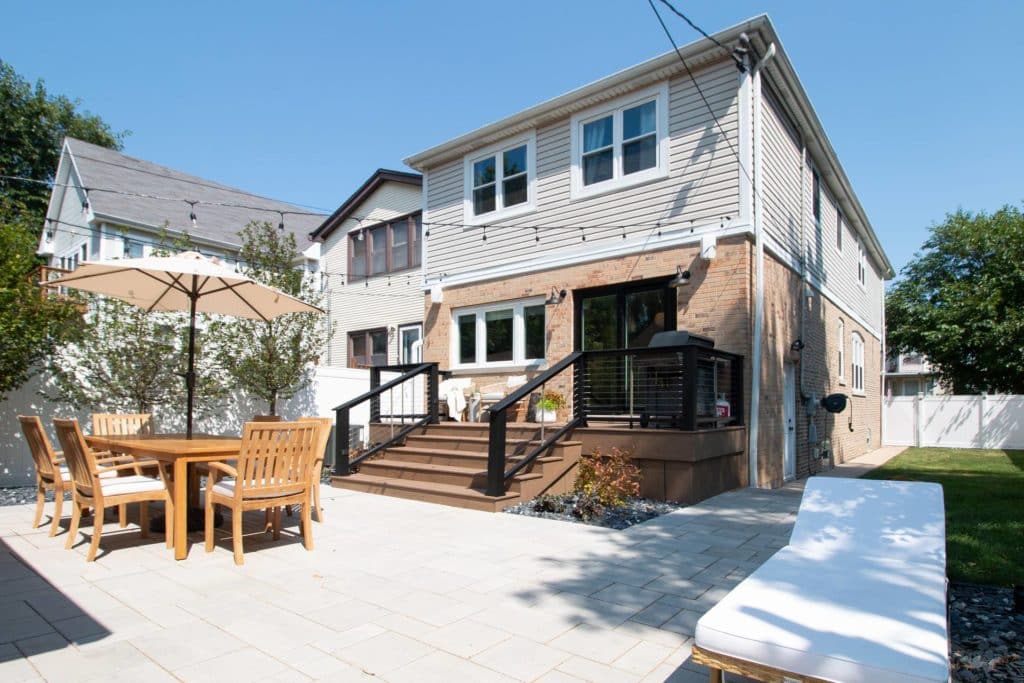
{"type": "Point", "coordinates": [301, 101]}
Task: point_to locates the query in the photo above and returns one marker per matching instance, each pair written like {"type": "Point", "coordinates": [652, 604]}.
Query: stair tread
{"type": "Point", "coordinates": [424, 486]}
{"type": "Point", "coordinates": [482, 455]}
{"type": "Point", "coordinates": [449, 437]}
{"type": "Point", "coordinates": [431, 467]}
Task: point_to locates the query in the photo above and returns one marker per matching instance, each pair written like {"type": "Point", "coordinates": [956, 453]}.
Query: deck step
{"type": "Point", "coordinates": [470, 477]}
{"type": "Point", "coordinates": [431, 492]}
{"type": "Point", "coordinates": [452, 442]}
{"type": "Point", "coordinates": [440, 456]}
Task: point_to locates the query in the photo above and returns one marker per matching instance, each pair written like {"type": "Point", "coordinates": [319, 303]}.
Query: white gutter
{"type": "Point", "coordinates": [755, 364]}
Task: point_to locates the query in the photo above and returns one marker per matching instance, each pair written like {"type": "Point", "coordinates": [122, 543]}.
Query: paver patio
{"type": "Point", "coordinates": [396, 590]}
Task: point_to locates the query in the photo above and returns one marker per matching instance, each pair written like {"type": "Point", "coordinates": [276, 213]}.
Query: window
{"type": "Point", "coordinates": [386, 247]}
{"type": "Point", "coordinates": [511, 333]}
{"type": "Point", "coordinates": [499, 180]}
{"type": "Point", "coordinates": [133, 249]}
{"type": "Point", "coordinates": [839, 231]}
{"type": "Point", "coordinates": [367, 348]}
{"type": "Point", "coordinates": [620, 145]}
{"type": "Point", "coordinates": [816, 199]}
{"type": "Point", "coordinates": [841, 340]}
{"type": "Point", "coordinates": [409, 347]}
{"type": "Point", "coordinates": [862, 264]}
{"type": "Point", "coordinates": [857, 369]}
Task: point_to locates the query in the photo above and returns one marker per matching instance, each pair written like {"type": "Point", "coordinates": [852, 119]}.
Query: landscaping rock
{"type": "Point", "coordinates": [19, 495]}
{"type": "Point", "coordinates": [985, 640]}
{"type": "Point", "coordinates": [635, 511]}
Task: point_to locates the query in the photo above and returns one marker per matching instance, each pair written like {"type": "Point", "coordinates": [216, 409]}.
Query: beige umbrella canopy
{"type": "Point", "coordinates": [189, 282]}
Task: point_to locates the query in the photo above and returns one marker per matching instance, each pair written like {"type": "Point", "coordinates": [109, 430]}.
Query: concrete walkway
{"type": "Point", "coordinates": [858, 467]}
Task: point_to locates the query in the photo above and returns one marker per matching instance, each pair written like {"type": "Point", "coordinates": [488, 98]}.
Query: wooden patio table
{"type": "Point", "coordinates": [180, 452]}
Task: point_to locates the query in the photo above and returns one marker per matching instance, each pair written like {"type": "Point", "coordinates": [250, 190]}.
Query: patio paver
{"type": "Point", "coordinates": [396, 590]}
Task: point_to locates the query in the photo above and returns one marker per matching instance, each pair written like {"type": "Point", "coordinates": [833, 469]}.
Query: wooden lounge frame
{"type": "Point", "coordinates": [718, 663]}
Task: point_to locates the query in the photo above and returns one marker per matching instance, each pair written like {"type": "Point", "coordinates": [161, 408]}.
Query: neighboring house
{"type": "Point", "coordinates": [910, 374]}
{"type": "Point", "coordinates": [652, 214]}
{"type": "Point", "coordinates": [106, 204]}
{"type": "Point", "coordinates": [372, 254]}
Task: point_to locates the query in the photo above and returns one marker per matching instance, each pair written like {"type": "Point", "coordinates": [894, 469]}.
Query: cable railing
{"type": "Point", "coordinates": [416, 407]}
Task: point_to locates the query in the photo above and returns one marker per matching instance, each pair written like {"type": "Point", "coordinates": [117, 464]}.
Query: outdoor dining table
{"type": "Point", "coordinates": [181, 453]}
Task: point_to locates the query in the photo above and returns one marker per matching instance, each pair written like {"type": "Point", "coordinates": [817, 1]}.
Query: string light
{"type": "Point", "coordinates": [485, 233]}
{"type": "Point", "coordinates": [536, 234]}
{"type": "Point", "coordinates": [280, 226]}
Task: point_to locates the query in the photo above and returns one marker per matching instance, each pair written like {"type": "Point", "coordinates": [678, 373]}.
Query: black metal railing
{"type": "Point", "coordinates": [689, 388]}
{"type": "Point", "coordinates": [400, 423]}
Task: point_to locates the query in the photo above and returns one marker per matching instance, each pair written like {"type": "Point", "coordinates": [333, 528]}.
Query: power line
{"type": "Point", "coordinates": [698, 29]}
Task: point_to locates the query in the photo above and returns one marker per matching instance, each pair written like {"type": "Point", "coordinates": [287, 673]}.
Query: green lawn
{"type": "Point", "coordinates": [984, 493]}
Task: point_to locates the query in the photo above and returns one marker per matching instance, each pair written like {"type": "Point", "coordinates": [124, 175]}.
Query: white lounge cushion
{"type": "Point", "coordinates": [839, 617]}
{"type": "Point", "coordinates": [898, 520]}
{"type": "Point", "coordinates": [134, 484]}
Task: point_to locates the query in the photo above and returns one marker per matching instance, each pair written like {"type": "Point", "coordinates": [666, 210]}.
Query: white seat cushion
{"type": "Point", "coordinates": [226, 487]}
{"type": "Point", "coordinates": [134, 484]}
{"type": "Point", "coordinates": [65, 473]}
{"type": "Point", "coordinates": [898, 520]}
{"type": "Point", "coordinates": [839, 617]}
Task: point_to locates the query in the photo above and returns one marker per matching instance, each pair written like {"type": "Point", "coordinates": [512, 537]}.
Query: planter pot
{"type": "Point", "coordinates": [547, 415]}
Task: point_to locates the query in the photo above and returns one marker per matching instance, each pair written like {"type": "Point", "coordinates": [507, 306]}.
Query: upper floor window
{"type": "Point", "coordinates": [839, 231]}
{"type": "Point", "coordinates": [621, 144]}
{"type": "Point", "coordinates": [862, 264]}
{"type": "Point", "coordinates": [499, 180]}
{"type": "Point", "coordinates": [857, 366]}
{"type": "Point", "coordinates": [841, 341]}
{"type": "Point", "coordinates": [386, 247]}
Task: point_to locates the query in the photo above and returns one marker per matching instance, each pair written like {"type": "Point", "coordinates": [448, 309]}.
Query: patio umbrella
{"type": "Point", "coordinates": [189, 282]}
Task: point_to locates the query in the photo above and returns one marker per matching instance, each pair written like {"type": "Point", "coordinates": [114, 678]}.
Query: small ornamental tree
{"type": "Point", "coordinates": [271, 359]}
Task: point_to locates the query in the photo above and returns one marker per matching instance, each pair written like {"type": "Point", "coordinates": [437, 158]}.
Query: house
{"type": "Point", "coordinates": [106, 204]}
{"type": "Point", "coordinates": [910, 374]}
{"type": "Point", "coordinates": [654, 200]}
{"type": "Point", "coordinates": [372, 252]}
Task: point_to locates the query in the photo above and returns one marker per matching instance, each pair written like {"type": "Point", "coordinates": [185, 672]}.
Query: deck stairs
{"type": "Point", "coordinates": [446, 463]}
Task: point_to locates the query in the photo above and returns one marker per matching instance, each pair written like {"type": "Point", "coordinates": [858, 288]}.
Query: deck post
{"type": "Point", "coordinates": [432, 377]}
{"type": "Point", "coordinates": [375, 400]}
{"type": "Point", "coordinates": [496, 454]}
{"type": "Point", "coordinates": [341, 442]}
{"type": "Point", "coordinates": [579, 401]}
{"type": "Point", "coordinates": [689, 408]}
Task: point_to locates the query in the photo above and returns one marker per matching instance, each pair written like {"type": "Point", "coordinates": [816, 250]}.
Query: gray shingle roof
{"type": "Point", "coordinates": [101, 168]}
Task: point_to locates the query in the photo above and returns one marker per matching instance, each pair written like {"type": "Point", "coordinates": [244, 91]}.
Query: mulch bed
{"type": "Point", "coordinates": [635, 511]}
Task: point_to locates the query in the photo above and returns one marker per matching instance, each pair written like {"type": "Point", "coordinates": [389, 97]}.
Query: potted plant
{"type": "Point", "coordinates": [548, 405]}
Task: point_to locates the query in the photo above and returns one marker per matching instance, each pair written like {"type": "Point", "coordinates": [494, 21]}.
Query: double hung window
{"type": "Point", "coordinates": [857, 369]}
{"type": "Point", "coordinates": [622, 144]}
{"type": "Point", "coordinates": [499, 181]}
{"type": "Point", "coordinates": [367, 348]}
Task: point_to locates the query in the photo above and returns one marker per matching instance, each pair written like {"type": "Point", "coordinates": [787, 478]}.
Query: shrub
{"type": "Point", "coordinates": [610, 479]}
{"type": "Point", "coordinates": [587, 507]}
{"type": "Point", "coordinates": [547, 503]}
{"type": "Point", "coordinates": [551, 400]}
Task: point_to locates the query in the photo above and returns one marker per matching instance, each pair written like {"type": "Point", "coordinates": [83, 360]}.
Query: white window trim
{"type": "Point", "coordinates": [405, 328]}
{"type": "Point", "coordinates": [857, 352]}
{"type": "Point", "coordinates": [518, 335]}
{"type": "Point", "coordinates": [618, 181]}
{"type": "Point", "coordinates": [841, 337]}
{"type": "Point", "coordinates": [862, 263]}
{"type": "Point", "coordinates": [469, 218]}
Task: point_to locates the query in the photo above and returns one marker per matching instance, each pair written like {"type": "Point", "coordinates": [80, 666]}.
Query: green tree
{"type": "Point", "coordinates": [32, 322]}
{"type": "Point", "coordinates": [959, 302]}
{"type": "Point", "coordinates": [271, 360]}
{"type": "Point", "coordinates": [33, 124]}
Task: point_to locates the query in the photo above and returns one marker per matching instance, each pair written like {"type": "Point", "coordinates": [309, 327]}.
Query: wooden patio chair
{"type": "Point", "coordinates": [274, 469]}
{"type": "Point", "coordinates": [91, 489]}
{"type": "Point", "coordinates": [320, 451]}
{"type": "Point", "coordinates": [52, 473]}
{"type": "Point", "coordinates": [266, 418]}
{"type": "Point", "coordinates": [126, 424]}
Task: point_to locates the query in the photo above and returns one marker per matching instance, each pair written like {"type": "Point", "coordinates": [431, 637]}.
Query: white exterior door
{"type": "Point", "coordinates": [789, 422]}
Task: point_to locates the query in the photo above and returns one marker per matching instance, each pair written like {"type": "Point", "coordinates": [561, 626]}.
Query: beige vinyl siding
{"type": "Point", "coordinates": [377, 301]}
{"type": "Point", "coordinates": [780, 191]}
{"type": "Point", "coordinates": [702, 186]}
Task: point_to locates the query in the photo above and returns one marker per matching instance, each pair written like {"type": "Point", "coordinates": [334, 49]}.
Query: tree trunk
{"type": "Point", "coordinates": [273, 403]}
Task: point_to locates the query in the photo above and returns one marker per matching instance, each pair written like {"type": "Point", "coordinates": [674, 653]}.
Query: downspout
{"type": "Point", "coordinates": [755, 379]}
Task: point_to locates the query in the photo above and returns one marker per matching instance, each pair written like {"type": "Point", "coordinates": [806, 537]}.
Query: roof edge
{"type": "Point", "coordinates": [379, 177]}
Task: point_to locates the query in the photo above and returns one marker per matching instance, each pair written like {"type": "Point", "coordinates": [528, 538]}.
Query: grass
{"type": "Point", "coordinates": [984, 494]}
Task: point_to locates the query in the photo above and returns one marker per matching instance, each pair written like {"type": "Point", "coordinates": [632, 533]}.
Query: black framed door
{"type": "Point", "coordinates": [619, 316]}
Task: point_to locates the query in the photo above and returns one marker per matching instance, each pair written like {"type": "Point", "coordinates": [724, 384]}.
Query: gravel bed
{"type": "Point", "coordinates": [986, 636]}
{"type": "Point", "coordinates": [19, 495]}
{"type": "Point", "coordinates": [635, 511]}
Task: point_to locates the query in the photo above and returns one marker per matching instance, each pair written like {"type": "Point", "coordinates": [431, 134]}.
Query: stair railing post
{"type": "Point", "coordinates": [689, 408]}
{"type": "Point", "coordinates": [432, 390]}
{"type": "Point", "coordinates": [375, 400]}
{"type": "Point", "coordinates": [579, 405]}
{"type": "Point", "coordinates": [342, 435]}
{"type": "Point", "coordinates": [496, 454]}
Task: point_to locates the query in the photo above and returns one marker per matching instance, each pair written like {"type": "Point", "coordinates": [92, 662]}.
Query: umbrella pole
{"type": "Point", "coordinates": [190, 376]}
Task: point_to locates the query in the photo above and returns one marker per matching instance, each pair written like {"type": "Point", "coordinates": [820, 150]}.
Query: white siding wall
{"type": "Point", "coordinates": [702, 186]}
{"type": "Point", "coordinates": [373, 302]}
{"type": "Point", "coordinates": [835, 270]}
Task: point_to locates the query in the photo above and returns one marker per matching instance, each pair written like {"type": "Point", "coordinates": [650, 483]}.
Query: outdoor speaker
{"type": "Point", "coordinates": [834, 403]}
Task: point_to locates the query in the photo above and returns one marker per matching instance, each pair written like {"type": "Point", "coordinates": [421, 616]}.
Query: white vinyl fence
{"type": "Point", "coordinates": [995, 421]}
{"type": "Point", "coordinates": [328, 387]}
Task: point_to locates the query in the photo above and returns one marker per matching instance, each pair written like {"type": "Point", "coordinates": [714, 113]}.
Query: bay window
{"type": "Point", "coordinates": [510, 333]}
{"type": "Point", "coordinates": [621, 144]}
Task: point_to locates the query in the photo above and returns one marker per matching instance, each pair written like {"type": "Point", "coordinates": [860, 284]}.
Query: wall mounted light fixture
{"type": "Point", "coordinates": [556, 297]}
{"type": "Point", "coordinates": [681, 279]}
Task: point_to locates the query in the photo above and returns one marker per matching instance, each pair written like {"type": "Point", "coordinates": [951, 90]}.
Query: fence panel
{"type": "Point", "coordinates": [900, 426]}
{"type": "Point", "coordinates": [955, 421]}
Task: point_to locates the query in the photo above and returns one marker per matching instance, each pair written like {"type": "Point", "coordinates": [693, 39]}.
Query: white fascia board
{"type": "Point", "coordinates": [791, 262]}
{"type": "Point", "coordinates": [669, 238]}
{"type": "Point", "coordinates": [128, 224]}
